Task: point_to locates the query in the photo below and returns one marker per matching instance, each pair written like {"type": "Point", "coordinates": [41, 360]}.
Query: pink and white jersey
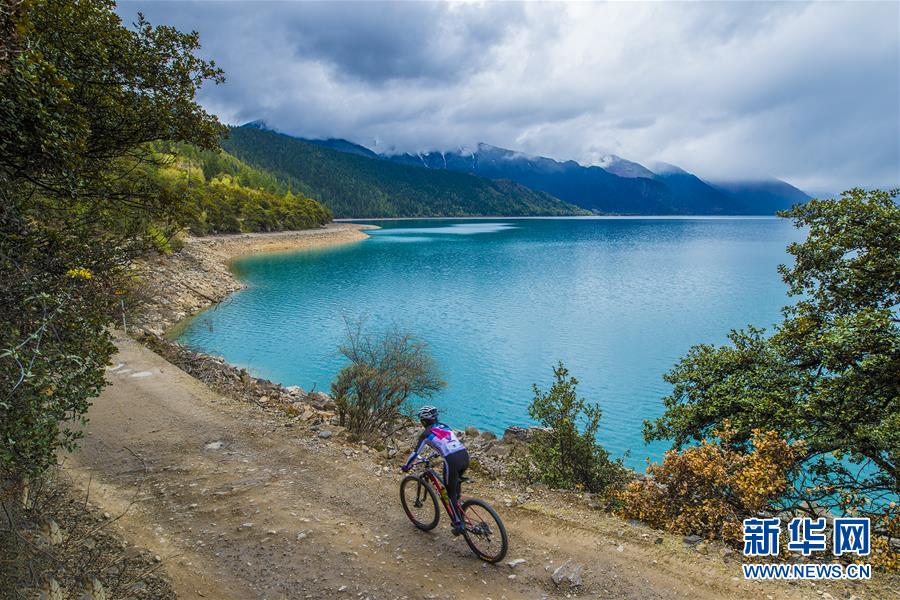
{"type": "Point", "coordinates": [441, 438]}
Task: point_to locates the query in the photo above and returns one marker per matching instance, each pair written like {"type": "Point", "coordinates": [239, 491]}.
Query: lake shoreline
{"type": "Point", "coordinates": [172, 289]}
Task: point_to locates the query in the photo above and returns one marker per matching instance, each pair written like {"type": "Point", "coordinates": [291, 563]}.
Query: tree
{"type": "Point", "coordinates": [828, 374]}
{"type": "Point", "coordinates": [560, 454]}
{"type": "Point", "coordinates": [384, 373]}
{"type": "Point", "coordinates": [81, 98]}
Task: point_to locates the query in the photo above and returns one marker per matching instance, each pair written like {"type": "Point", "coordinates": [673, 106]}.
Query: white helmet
{"type": "Point", "coordinates": [428, 414]}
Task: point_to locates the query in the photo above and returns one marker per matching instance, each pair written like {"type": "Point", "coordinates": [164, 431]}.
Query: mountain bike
{"type": "Point", "coordinates": [484, 531]}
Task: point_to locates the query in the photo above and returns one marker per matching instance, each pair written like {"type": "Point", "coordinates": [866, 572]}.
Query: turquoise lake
{"type": "Point", "coordinates": [500, 301]}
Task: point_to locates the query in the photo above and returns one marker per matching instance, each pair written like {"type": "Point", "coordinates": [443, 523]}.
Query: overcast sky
{"type": "Point", "coordinates": [809, 93]}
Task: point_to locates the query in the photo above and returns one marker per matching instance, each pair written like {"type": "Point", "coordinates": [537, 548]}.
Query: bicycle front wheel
{"type": "Point", "coordinates": [419, 502]}
{"type": "Point", "coordinates": [484, 533]}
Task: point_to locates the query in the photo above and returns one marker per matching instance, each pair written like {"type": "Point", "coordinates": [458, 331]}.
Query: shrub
{"type": "Point", "coordinates": [560, 454]}
{"type": "Point", "coordinates": [385, 371]}
{"type": "Point", "coordinates": [711, 488]}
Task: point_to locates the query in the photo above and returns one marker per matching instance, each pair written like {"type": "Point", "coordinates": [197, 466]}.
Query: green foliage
{"type": "Point", "coordinates": [385, 371]}
{"type": "Point", "coordinates": [222, 194]}
{"type": "Point", "coordinates": [359, 186]}
{"type": "Point", "coordinates": [828, 375]}
{"type": "Point", "coordinates": [560, 454]}
{"type": "Point", "coordinates": [81, 97]}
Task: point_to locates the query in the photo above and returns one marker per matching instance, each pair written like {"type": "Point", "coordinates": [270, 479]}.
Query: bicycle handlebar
{"type": "Point", "coordinates": [425, 461]}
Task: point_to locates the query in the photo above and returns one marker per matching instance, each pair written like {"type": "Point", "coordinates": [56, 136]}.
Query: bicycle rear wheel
{"type": "Point", "coordinates": [484, 533]}
{"type": "Point", "coordinates": [419, 502]}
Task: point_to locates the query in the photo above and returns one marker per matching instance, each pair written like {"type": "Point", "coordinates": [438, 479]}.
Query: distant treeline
{"type": "Point", "coordinates": [222, 194]}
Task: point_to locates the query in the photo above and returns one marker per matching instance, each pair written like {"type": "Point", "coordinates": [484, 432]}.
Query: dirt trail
{"type": "Point", "coordinates": [239, 503]}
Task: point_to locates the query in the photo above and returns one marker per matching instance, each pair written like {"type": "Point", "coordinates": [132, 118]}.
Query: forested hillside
{"type": "Point", "coordinates": [357, 186]}
{"type": "Point", "coordinates": [222, 194]}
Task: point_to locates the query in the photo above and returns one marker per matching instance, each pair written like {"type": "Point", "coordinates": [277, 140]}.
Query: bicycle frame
{"type": "Point", "coordinates": [438, 486]}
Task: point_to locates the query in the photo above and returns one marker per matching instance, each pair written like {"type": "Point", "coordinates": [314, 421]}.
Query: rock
{"type": "Point", "coordinates": [324, 434]}
{"type": "Point", "coordinates": [93, 590]}
{"type": "Point", "coordinates": [726, 552]}
{"type": "Point", "coordinates": [472, 432]}
{"type": "Point", "coordinates": [214, 445]}
{"type": "Point", "coordinates": [515, 563]}
{"type": "Point", "coordinates": [568, 574]}
{"type": "Point", "coordinates": [620, 548]}
{"type": "Point", "coordinates": [295, 390]}
{"type": "Point", "coordinates": [702, 548]}
{"type": "Point", "coordinates": [51, 591]}
{"type": "Point", "coordinates": [321, 400]}
{"type": "Point", "coordinates": [515, 433]}
{"type": "Point", "coordinates": [499, 451]}
{"type": "Point", "coordinates": [51, 534]}
{"type": "Point", "coordinates": [488, 435]}
{"type": "Point", "coordinates": [692, 540]}
{"type": "Point", "coordinates": [658, 540]}
{"type": "Point", "coordinates": [348, 452]}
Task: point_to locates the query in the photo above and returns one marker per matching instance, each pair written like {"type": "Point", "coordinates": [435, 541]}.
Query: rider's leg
{"type": "Point", "coordinates": [451, 482]}
{"type": "Point", "coordinates": [455, 465]}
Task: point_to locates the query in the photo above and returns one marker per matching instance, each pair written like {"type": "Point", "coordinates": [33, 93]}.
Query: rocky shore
{"type": "Point", "coordinates": [171, 288]}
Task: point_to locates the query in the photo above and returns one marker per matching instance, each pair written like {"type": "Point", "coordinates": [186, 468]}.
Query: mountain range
{"type": "Point", "coordinates": [615, 186]}
{"type": "Point", "coordinates": [355, 185]}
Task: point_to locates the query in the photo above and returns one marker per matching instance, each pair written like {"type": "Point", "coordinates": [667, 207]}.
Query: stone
{"type": "Point", "coordinates": [515, 563]}
{"type": "Point", "coordinates": [702, 548]}
{"type": "Point", "coordinates": [472, 432]}
{"type": "Point", "coordinates": [692, 540]}
{"type": "Point", "coordinates": [516, 433]}
{"type": "Point", "coordinates": [324, 434]}
{"type": "Point", "coordinates": [488, 435]}
{"type": "Point", "coordinates": [568, 574]}
{"type": "Point", "coordinates": [321, 400]}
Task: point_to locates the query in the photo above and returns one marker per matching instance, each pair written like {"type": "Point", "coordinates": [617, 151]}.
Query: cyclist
{"type": "Point", "coordinates": [456, 458]}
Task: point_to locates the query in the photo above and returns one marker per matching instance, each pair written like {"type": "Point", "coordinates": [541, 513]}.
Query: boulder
{"type": "Point", "coordinates": [472, 432]}
{"type": "Point", "coordinates": [516, 434]}
{"type": "Point", "coordinates": [692, 540]}
{"type": "Point", "coordinates": [568, 575]}
{"type": "Point", "coordinates": [321, 400]}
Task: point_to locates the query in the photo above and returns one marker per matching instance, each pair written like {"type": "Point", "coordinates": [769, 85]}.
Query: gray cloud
{"type": "Point", "coordinates": [806, 92]}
